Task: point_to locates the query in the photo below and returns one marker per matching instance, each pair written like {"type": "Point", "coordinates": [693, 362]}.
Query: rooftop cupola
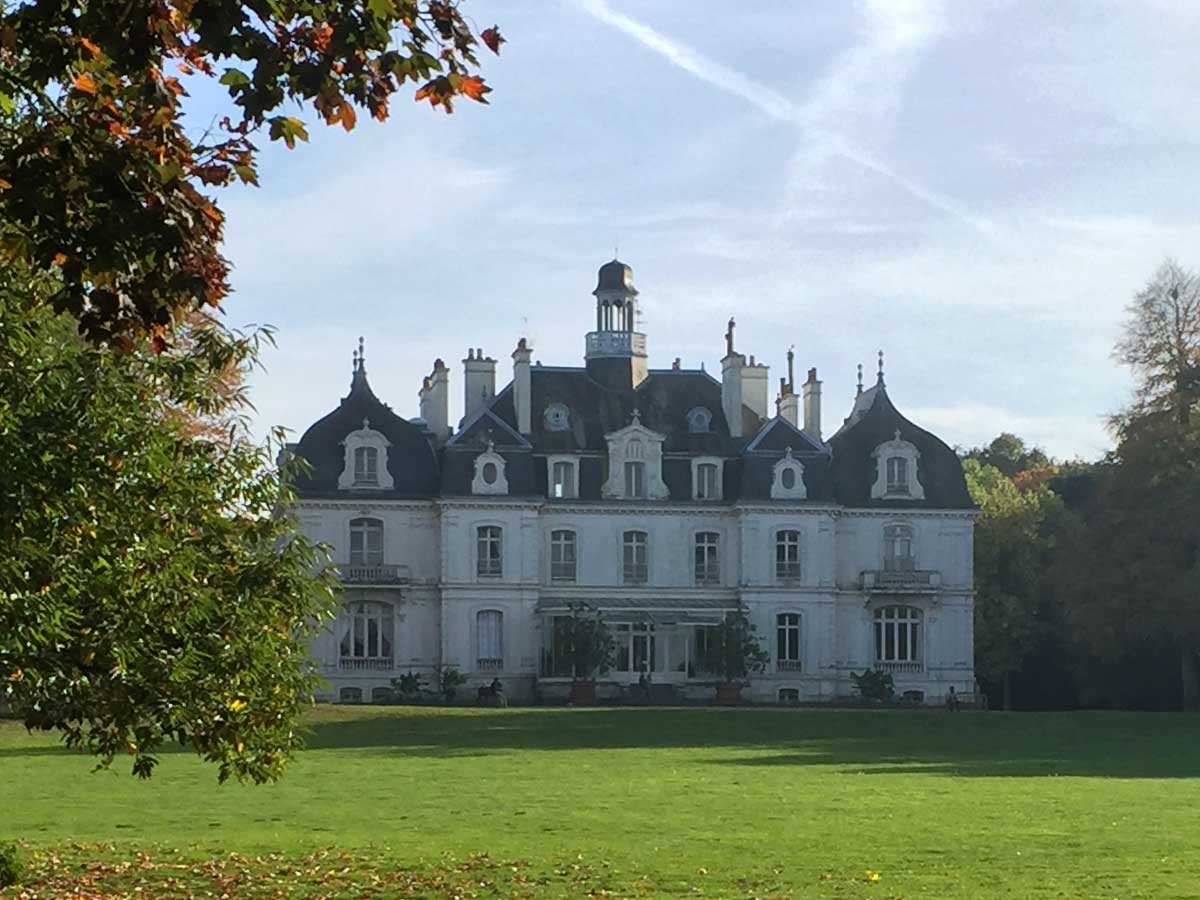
{"type": "Point", "coordinates": [616, 350]}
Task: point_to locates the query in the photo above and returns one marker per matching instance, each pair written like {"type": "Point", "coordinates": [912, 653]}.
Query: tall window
{"type": "Point", "coordinates": [562, 480]}
{"type": "Point", "coordinates": [635, 648]}
{"type": "Point", "coordinates": [489, 640]}
{"type": "Point", "coordinates": [635, 480]}
{"type": "Point", "coordinates": [562, 556]}
{"type": "Point", "coordinates": [787, 642]}
{"type": "Point", "coordinates": [367, 631]}
{"type": "Point", "coordinates": [636, 569]}
{"type": "Point", "coordinates": [489, 562]}
{"type": "Point", "coordinates": [707, 557]}
{"type": "Point", "coordinates": [898, 548]}
{"type": "Point", "coordinates": [366, 465]}
{"type": "Point", "coordinates": [898, 635]}
{"type": "Point", "coordinates": [707, 487]}
{"type": "Point", "coordinates": [366, 542]}
{"type": "Point", "coordinates": [787, 555]}
{"type": "Point", "coordinates": [897, 475]}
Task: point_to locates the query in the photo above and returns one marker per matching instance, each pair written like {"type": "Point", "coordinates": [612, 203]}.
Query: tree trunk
{"type": "Point", "coordinates": [1190, 672]}
{"type": "Point", "coordinates": [1008, 691]}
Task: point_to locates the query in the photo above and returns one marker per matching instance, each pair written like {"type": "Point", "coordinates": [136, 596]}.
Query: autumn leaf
{"type": "Point", "coordinates": [472, 86]}
{"type": "Point", "coordinates": [90, 47]}
{"type": "Point", "coordinates": [5, 185]}
{"type": "Point", "coordinates": [347, 116]}
{"type": "Point", "coordinates": [59, 259]}
{"type": "Point", "coordinates": [493, 39]}
{"type": "Point", "coordinates": [85, 83]}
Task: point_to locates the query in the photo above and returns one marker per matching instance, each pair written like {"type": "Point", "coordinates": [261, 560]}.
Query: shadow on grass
{"type": "Point", "coordinates": [1094, 744]}
{"type": "Point", "coordinates": [873, 742]}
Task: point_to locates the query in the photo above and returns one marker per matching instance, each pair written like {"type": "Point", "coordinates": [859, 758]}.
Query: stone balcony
{"type": "Point", "coordinates": [615, 343]}
{"type": "Point", "coordinates": [381, 575]}
{"type": "Point", "coordinates": [913, 581]}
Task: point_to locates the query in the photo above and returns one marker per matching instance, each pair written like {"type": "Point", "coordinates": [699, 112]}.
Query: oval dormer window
{"type": "Point", "coordinates": [788, 478]}
{"type": "Point", "coordinates": [557, 417]}
{"type": "Point", "coordinates": [489, 473]}
{"type": "Point", "coordinates": [699, 420]}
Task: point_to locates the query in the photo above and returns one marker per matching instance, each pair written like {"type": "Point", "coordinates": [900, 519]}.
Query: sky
{"type": "Point", "coordinates": [976, 188]}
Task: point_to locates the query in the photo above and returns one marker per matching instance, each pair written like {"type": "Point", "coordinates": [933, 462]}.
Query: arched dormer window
{"type": "Point", "coordinates": [557, 417]}
{"type": "Point", "coordinates": [634, 464]}
{"type": "Point", "coordinates": [699, 420]}
{"type": "Point", "coordinates": [896, 471]}
{"type": "Point", "coordinates": [364, 466]}
{"type": "Point", "coordinates": [787, 480]}
{"type": "Point", "coordinates": [490, 476]}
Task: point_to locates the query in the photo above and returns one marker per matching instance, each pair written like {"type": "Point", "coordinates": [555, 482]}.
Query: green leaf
{"type": "Point", "coordinates": [6, 104]}
{"type": "Point", "coordinates": [235, 78]}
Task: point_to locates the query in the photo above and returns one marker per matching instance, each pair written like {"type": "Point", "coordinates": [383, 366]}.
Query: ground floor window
{"type": "Point", "coordinates": [898, 636]}
{"type": "Point", "coordinates": [787, 642]}
{"type": "Point", "coordinates": [489, 640]}
{"type": "Point", "coordinates": [350, 695]}
{"type": "Point", "coordinates": [789, 695]}
{"type": "Point", "coordinates": [635, 648]}
{"type": "Point", "coordinates": [381, 695]}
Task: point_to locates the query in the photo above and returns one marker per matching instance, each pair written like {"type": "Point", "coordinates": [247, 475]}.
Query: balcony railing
{"type": "Point", "coordinates": [372, 662]}
{"type": "Point", "coordinates": [379, 574]}
{"type": "Point", "coordinates": [898, 667]}
{"type": "Point", "coordinates": [489, 665]}
{"type": "Point", "coordinates": [888, 581]}
{"type": "Point", "coordinates": [788, 665]}
{"type": "Point", "coordinates": [616, 343]}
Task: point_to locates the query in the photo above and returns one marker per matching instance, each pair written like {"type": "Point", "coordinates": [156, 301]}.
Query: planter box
{"type": "Point", "coordinates": [583, 693]}
{"type": "Point", "coordinates": [728, 694]}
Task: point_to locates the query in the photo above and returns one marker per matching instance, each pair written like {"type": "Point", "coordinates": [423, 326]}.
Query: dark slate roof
{"type": "Point", "coordinates": [939, 469]}
{"type": "Point", "coordinates": [410, 458]}
{"type": "Point", "coordinates": [615, 276]}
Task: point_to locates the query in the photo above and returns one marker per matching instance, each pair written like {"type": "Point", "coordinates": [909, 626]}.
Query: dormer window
{"type": "Point", "coordinates": [635, 480]}
{"type": "Point", "coordinates": [634, 464]}
{"type": "Point", "coordinates": [787, 480]}
{"type": "Point", "coordinates": [706, 478]}
{"type": "Point", "coordinates": [489, 473]}
{"type": "Point", "coordinates": [896, 472]}
{"type": "Point", "coordinates": [563, 473]}
{"type": "Point", "coordinates": [699, 420]}
{"type": "Point", "coordinates": [364, 466]}
{"type": "Point", "coordinates": [557, 417]}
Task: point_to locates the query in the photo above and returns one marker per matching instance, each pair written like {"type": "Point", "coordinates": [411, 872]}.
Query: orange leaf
{"type": "Point", "coordinates": [91, 48]}
{"type": "Point", "coordinates": [493, 39]}
{"type": "Point", "coordinates": [59, 259]}
{"type": "Point", "coordinates": [5, 185]}
{"type": "Point", "coordinates": [348, 116]}
{"type": "Point", "coordinates": [85, 83]}
{"type": "Point", "coordinates": [472, 86]}
{"type": "Point", "coordinates": [213, 213]}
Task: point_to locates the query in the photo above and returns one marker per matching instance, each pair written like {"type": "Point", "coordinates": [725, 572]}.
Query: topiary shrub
{"type": "Point", "coordinates": [12, 866]}
{"type": "Point", "coordinates": [874, 686]}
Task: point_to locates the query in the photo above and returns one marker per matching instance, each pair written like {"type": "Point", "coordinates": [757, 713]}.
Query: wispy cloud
{"type": "Point", "coordinates": [768, 100]}
{"type": "Point", "coordinates": [861, 83]}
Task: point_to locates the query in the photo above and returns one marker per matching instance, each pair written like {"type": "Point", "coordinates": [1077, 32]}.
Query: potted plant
{"type": "Point", "coordinates": [733, 653]}
{"type": "Point", "coordinates": [589, 646]}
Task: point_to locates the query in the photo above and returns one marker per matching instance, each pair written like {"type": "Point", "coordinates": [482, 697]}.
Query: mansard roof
{"type": "Point", "coordinates": [874, 422]}
{"type": "Point", "coordinates": [410, 458]}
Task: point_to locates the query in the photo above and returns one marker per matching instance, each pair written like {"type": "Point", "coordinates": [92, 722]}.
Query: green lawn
{"type": "Point", "coordinates": [400, 801]}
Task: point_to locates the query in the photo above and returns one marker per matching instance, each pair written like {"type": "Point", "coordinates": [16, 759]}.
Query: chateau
{"type": "Point", "coordinates": [662, 498]}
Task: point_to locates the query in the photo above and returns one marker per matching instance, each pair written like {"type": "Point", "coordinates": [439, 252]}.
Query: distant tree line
{"type": "Point", "coordinates": [1088, 573]}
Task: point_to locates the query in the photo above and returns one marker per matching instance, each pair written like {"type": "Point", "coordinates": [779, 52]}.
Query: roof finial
{"type": "Point", "coordinates": [637, 416]}
{"type": "Point", "coordinates": [362, 356]}
{"type": "Point", "coordinates": [881, 367]}
{"type": "Point", "coordinates": [860, 378]}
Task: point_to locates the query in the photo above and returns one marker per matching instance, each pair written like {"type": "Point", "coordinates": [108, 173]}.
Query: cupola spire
{"type": "Point", "coordinates": [616, 350]}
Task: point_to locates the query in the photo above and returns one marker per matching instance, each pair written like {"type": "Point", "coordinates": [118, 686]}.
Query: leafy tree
{"type": "Point", "coordinates": [1010, 455]}
{"type": "Point", "coordinates": [149, 591]}
{"type": "Point", "coordinates": [1012, 545]}
{"type": "Point", "coordinates": [102, 182]}
{"type": "Point", "coordinates": [734, 650]}
{"type": "Point", "coordinates": [1132, 574]}
{"type": "Point", "coordinates": [586, 642]}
